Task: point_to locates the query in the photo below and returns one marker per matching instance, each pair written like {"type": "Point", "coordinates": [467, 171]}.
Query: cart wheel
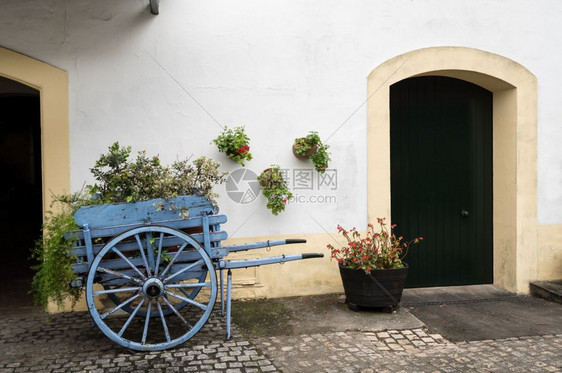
{"type": "Point", "coordinates": [190, 293]}
{"type": "Point", "coordinates": [133, 267]}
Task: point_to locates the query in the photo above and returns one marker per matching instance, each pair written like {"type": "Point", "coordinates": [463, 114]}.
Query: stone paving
{"type": "Point", "coordinates": [70, 344]}
{"type": "Point", "coordinates": [410, 351]}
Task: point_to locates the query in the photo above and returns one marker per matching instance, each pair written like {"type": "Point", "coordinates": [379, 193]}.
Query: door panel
{"type": "Point", "coordinates": [441, 156]}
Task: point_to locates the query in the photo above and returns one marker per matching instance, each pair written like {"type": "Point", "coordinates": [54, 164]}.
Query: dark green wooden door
{"type": "Point", "coordinates": [441, 176]}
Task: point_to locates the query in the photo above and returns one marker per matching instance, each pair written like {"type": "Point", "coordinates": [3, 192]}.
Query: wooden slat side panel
{"type": "Point", "coordinates": [151, 211]}
{"type": "Point", "coordinates": [111, 231]}
{"type": "Point", "coordinates": [120, 264]}
{"type": "Point", "coordinates": [168, 241]}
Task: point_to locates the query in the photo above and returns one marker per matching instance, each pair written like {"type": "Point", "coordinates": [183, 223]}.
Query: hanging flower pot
{"type": "Point", "coordinates": [275, 189]}
{"type": "Point", "coordinates": [311, 147]}
{"type": "Point", "coordinates": [304, 154]}
{"type": "Point", "coordinates": [235, 144]}
{"type": "Point", "coordinates": [267, 176]}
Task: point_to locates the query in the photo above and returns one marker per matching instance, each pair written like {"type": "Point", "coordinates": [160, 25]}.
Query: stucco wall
{"type": "Point", "coordinates": [549, 252]}
{"type": "Point", "coordinates": [281, 68]}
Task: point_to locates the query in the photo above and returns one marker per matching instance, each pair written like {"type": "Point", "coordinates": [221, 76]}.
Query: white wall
{"type": "Point", "coordinates": [281, 68]}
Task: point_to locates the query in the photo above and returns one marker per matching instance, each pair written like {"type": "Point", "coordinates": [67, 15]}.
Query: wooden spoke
{"type": "Point", "coordinates": [143, 255]}
{"type": "Point", "coordinates": [131, 316]}
{"type": "Point", "coordinates": [128, 262]}
{"type": "Point", "coordinates": [119, 274]}
{"type": "Point", "coordinates": [150, 251]}
{"type": "Point", "coordinates": [170, 306]}
{"type": "Point", "coordinates": [160, 242]}
{"type": "Point", "coordinates": [146, 321]}
{"type": "Point", "coordinates": [190, 285]}
{"type": "Point", "coordinates": [173, 259]}
{"type": "Point", "coordinates": [167, 279]}
{"type": "Point", "coordinates": [120, 306]}
{"type": "Point", "coordinates": [190, 301]}
{"type": "Point", "coordinates": [117, 290]}
{"type": "Point", "coordinates": [164, 325]}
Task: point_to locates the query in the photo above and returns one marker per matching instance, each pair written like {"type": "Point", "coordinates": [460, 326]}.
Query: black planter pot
{"type": "Point", "coordinates": [382, 288]}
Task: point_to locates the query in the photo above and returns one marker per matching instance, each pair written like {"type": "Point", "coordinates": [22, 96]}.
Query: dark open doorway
{"type": "Point", "coordinates": [20, 190]}
{"type": "Point", "coordinates": [441, 178]}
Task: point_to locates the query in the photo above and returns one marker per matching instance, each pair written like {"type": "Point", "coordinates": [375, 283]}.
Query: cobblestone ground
{"type": "Point", "coordinates": [410, 351]}
{"type": "Point", "coordinates": [70, 344]}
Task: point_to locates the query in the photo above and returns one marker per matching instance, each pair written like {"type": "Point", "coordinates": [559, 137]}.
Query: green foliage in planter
{"type": "Point", "coordinates": [122, 180]}
{"type": "Point", "coordinates": [118, 179]}
{"type": "Point", "coordinates": [235, 144]}
{"type": "Point", "coordinates": [274, 189]}
{"type": "Point", "coordinates": [321, 157]}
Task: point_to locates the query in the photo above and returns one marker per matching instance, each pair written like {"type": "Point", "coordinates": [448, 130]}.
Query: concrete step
{"type": "Point", "coordinates": [549, 290]}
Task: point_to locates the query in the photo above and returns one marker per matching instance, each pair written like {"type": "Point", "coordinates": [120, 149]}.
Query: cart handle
{"type": "Point", "coordinates": [262, 244]}
{"type": "Point", "coordinates": [312, 255]}
{"type": "Point", "coordinates": [256, 262]}
{"type": "Point", "coordinates": [294, 240]}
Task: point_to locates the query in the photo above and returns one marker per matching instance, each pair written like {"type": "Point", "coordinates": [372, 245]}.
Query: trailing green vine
{"type": "Point", "coordinates": [54, 272]}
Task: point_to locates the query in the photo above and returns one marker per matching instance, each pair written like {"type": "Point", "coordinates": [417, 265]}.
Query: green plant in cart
{"type": "Point", "coordinates": [275, 189]}
{"type": "Point", "coordinates": [119, 178]}
{"type": "Point", "coordinates": [235, 144]}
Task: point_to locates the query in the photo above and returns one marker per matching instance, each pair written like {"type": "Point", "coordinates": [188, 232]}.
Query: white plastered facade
{"type": "Point", "coordinates": [283, 69]}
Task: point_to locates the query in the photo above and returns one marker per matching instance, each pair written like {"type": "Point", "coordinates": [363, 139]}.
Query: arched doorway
{"type": "Point", "coordinates": [21, 211]}
{"type": "Point", "coordinates": [514, 102]}
{"type": "Point", "coordinates": [51, 84]}
{"type": "Point", "coordinates": [441, 178]}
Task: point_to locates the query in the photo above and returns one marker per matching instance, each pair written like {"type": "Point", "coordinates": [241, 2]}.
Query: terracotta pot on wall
{"type": "Point", "coordinates": [306, 155]}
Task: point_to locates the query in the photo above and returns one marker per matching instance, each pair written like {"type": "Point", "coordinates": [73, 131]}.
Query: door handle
{"type": "Point", "coordinates": [464, 213]}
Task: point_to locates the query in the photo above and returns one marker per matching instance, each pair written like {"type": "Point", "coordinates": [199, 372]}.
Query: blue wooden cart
{"type": "Point", "coordinates": [150, 268]}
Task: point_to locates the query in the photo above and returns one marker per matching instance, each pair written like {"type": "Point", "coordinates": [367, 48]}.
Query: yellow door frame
{"type": "Point", "coordinates": [514, 146]}
{"type": "Point", "coordinates": [52, 84]}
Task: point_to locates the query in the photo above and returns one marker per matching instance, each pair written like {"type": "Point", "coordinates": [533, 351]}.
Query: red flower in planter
{"type": "Point", "coordinates": [377, 250]}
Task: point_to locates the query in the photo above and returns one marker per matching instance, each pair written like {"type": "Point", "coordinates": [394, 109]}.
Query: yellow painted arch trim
{"type": "Point", "coordinates": [52, 84]}
{"type": "Point", "coordinates": [514, 91]}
